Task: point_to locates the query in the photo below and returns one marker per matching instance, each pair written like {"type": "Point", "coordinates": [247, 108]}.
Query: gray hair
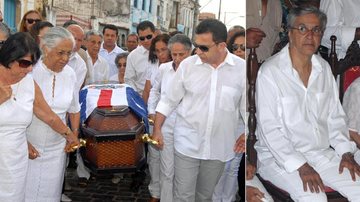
{"type": "Point", "coordinates": [182, 39]}
{"type": "Point", "coordinates": [121, 55]}
{"type": "Point", "coordinates": [300, 11]}
{"type": "Point", "coordinates": [54, 36]}
{"type": "Point", "coordinates": [91, 33]}
{"type": "Point", "coordinates": [5, 29]}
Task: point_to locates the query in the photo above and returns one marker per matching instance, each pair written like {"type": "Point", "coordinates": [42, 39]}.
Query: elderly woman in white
{"type": "Point", "coordinates": [57, 82]}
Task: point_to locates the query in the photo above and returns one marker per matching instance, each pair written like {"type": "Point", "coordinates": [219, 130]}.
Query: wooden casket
{"type": "Point", "coordinates": [113, 140]}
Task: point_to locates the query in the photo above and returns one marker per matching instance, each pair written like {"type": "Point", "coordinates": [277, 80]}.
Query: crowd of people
{"type": "Point", "coordinates": [186, 85]}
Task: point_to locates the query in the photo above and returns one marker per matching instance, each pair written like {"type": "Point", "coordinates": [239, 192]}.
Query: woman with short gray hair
{"type": "Point", "coordinates": [57, 82]}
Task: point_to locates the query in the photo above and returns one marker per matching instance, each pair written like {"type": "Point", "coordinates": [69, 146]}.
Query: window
{"type": "Point", "coordinates": [143, 4]}
{"type": "Point", "coordinates": [135, 3]}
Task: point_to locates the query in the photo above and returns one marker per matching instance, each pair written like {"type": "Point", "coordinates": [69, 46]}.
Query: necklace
{"type": "Point", "coordinates": [14, 94]}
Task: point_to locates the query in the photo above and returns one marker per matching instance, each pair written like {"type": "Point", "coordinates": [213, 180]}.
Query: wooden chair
{"type": "Point", "coordinates": [348, 68]}
{"type": "Point", "coordinates": [338, 68]}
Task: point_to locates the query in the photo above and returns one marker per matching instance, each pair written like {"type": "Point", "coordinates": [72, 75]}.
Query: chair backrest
{"type": "Point", "coordinates": [348, 68]}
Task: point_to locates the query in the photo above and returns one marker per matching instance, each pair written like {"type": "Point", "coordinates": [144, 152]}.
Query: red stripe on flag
{"type": "Point", "coordinates": [104, 98]}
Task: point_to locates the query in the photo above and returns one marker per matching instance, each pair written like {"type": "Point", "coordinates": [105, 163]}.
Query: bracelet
{"type": "Point", "coordinates": [76, 129]}
{"type": "Point", "coordinates": [68, 131]}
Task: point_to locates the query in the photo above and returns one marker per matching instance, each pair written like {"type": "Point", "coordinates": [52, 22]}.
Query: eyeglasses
{"type": "Point", "coordinates": [24, 63]}
{"type": "Point", "coordinates": [204, 48]}
{"type": "Point", "coordinates": [148, 37]}
{"type": "Point", "coordinates": [30, 21]}
{"type": "Point", "coordinates": [237, 46]}
{"type": "Point", "coordinates": [304, 30]}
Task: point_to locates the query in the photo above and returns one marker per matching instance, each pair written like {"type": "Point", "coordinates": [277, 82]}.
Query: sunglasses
{"type": "Point", "coordinates": [204, 48]}
{"type": "Point", "coordinates": [30, 21]}
{"type": "Point", "coordinates": [148, 37]}
{"type": "Point", "coordinates": [237, 46]}
{"type": "Point", "coordinates": [24, 63]}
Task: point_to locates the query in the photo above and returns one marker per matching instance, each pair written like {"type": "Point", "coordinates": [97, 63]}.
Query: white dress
{"type": "Point", "coordinates": [15, 116]}
{"type": "Point", "coordinates": [46, 173]}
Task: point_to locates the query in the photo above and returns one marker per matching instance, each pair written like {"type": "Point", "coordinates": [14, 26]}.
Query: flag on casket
{"type": "Point", "coordinates": [110, 95]}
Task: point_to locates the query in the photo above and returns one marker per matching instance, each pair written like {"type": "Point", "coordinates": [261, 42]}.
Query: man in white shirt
{"type": "Point", "coordinates": [302, 135]}
{"type": "Point", "coordinates": [109, 50]}
{"type": "Point", "coordinates": [208, 91]}
{"type": "Point", "coordinates": [180, 47]}
{"type": "Point", "coordinates": [76, 62]}
{"type": "Point", "coordinates": [343, 22]}
{"type": "Point", "coordinates": [138, 59]}
{"type": "Point", "coordinates": [98, 68]}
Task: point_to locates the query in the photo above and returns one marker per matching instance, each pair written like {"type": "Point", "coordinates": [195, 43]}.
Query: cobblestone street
{"type": "Point", "coordinates": [102, 189]}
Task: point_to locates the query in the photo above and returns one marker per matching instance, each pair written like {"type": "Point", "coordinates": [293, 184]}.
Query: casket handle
{"type": "Point", "coordinates": [82, 144]}
{"type": "Point", "coordinates": [147, 139]}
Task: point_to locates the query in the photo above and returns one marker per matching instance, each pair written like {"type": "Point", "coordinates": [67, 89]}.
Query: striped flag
{"type": "Point", "coordinates": [110, 95]}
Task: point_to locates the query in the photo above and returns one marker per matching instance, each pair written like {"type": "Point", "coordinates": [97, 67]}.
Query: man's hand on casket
{"type": "Point", "coordinates": [348, 161]}
{"type": "Point", "coordinates": [72, 142]}
{"type": "Point", "coordinates": [158, 136]}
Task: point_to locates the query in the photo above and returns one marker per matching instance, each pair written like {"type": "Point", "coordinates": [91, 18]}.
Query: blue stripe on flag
{"type": "Point", "coordinates": [82, 100]}
{"type": "Point", "coordinates": [137, 105]}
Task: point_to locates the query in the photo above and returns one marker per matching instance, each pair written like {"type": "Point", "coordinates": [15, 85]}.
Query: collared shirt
{"type": "Point", "coordinates": [97, 72]}
{"type": "Point", "coordinates": [351, 105]}
{"type": "Point", "coordinates": [160, 85]}
{"type": "Point", "coordinates": [296, 123]}
{"type": "Point", "coordinates": [270, 24]}
{"type": "Point", "coordinates": [342, 21]}
{"type": "Point", "coordinates": [209, 101]}
{"type": "Point", "coordinates": [110, 57]}
{"type": "Point", "coordinates": [135, 72]}
{"type": "Point", "coordinates": [80, 69]}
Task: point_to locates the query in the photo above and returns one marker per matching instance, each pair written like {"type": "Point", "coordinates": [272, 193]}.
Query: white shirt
{"type": "Point", "coordinates": [152, 71]}
{"type": "Point", "coordinates": [80, 69]}
{"type": "Point", "coordinates": [211, 100]}
{"type": "Point", "coordinates": [351, 105]}
{"type": "Point", "coordinates": [296, 123]}
{"type": "Point", "coordinates": [160, 84]}
{"type": "Point", "coordinates": [114, 78]}
{"type": "Point", "coordinates": [342, 19]}
{"type": "Point", "coordinates": [110, 57]}
{"type": "Point", "coordinates": [97, 72]}
{"type": "Point", "coordinates": [135, 72]}
{"type": "Point", "coordinates": [60, 95]}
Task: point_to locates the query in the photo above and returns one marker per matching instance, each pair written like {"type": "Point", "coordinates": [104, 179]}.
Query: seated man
{"type": "Point", "coordinates": [303, 137]}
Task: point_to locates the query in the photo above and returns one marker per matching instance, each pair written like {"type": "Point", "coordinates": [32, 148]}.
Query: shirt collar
{"type": "Point", "coordinates": [228, 60]}
{"type": "Point", "coordinates": [285, 63]}
{"type": "Point", "coordinates": [115, 49]}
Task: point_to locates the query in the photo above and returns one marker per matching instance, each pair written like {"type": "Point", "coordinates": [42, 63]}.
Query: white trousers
{"type": "Point", "coordinates": [255, 182]}
{"type": "Point", "coordinates": [226, 188]}
{"type": "Point", "coordinates": [167, 160]}
{"type": "Point", "coordinates": [153, 159]}
{"type": "Point", "coordinates": [328, 170]}
{"type": "Point", "coordinates": [195, 179]}
{"type": "Point", "coordinates": [81, 170]}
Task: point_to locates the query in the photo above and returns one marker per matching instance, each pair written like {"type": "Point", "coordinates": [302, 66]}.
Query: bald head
{"type": "Point", "coordinates": [78, 34]}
